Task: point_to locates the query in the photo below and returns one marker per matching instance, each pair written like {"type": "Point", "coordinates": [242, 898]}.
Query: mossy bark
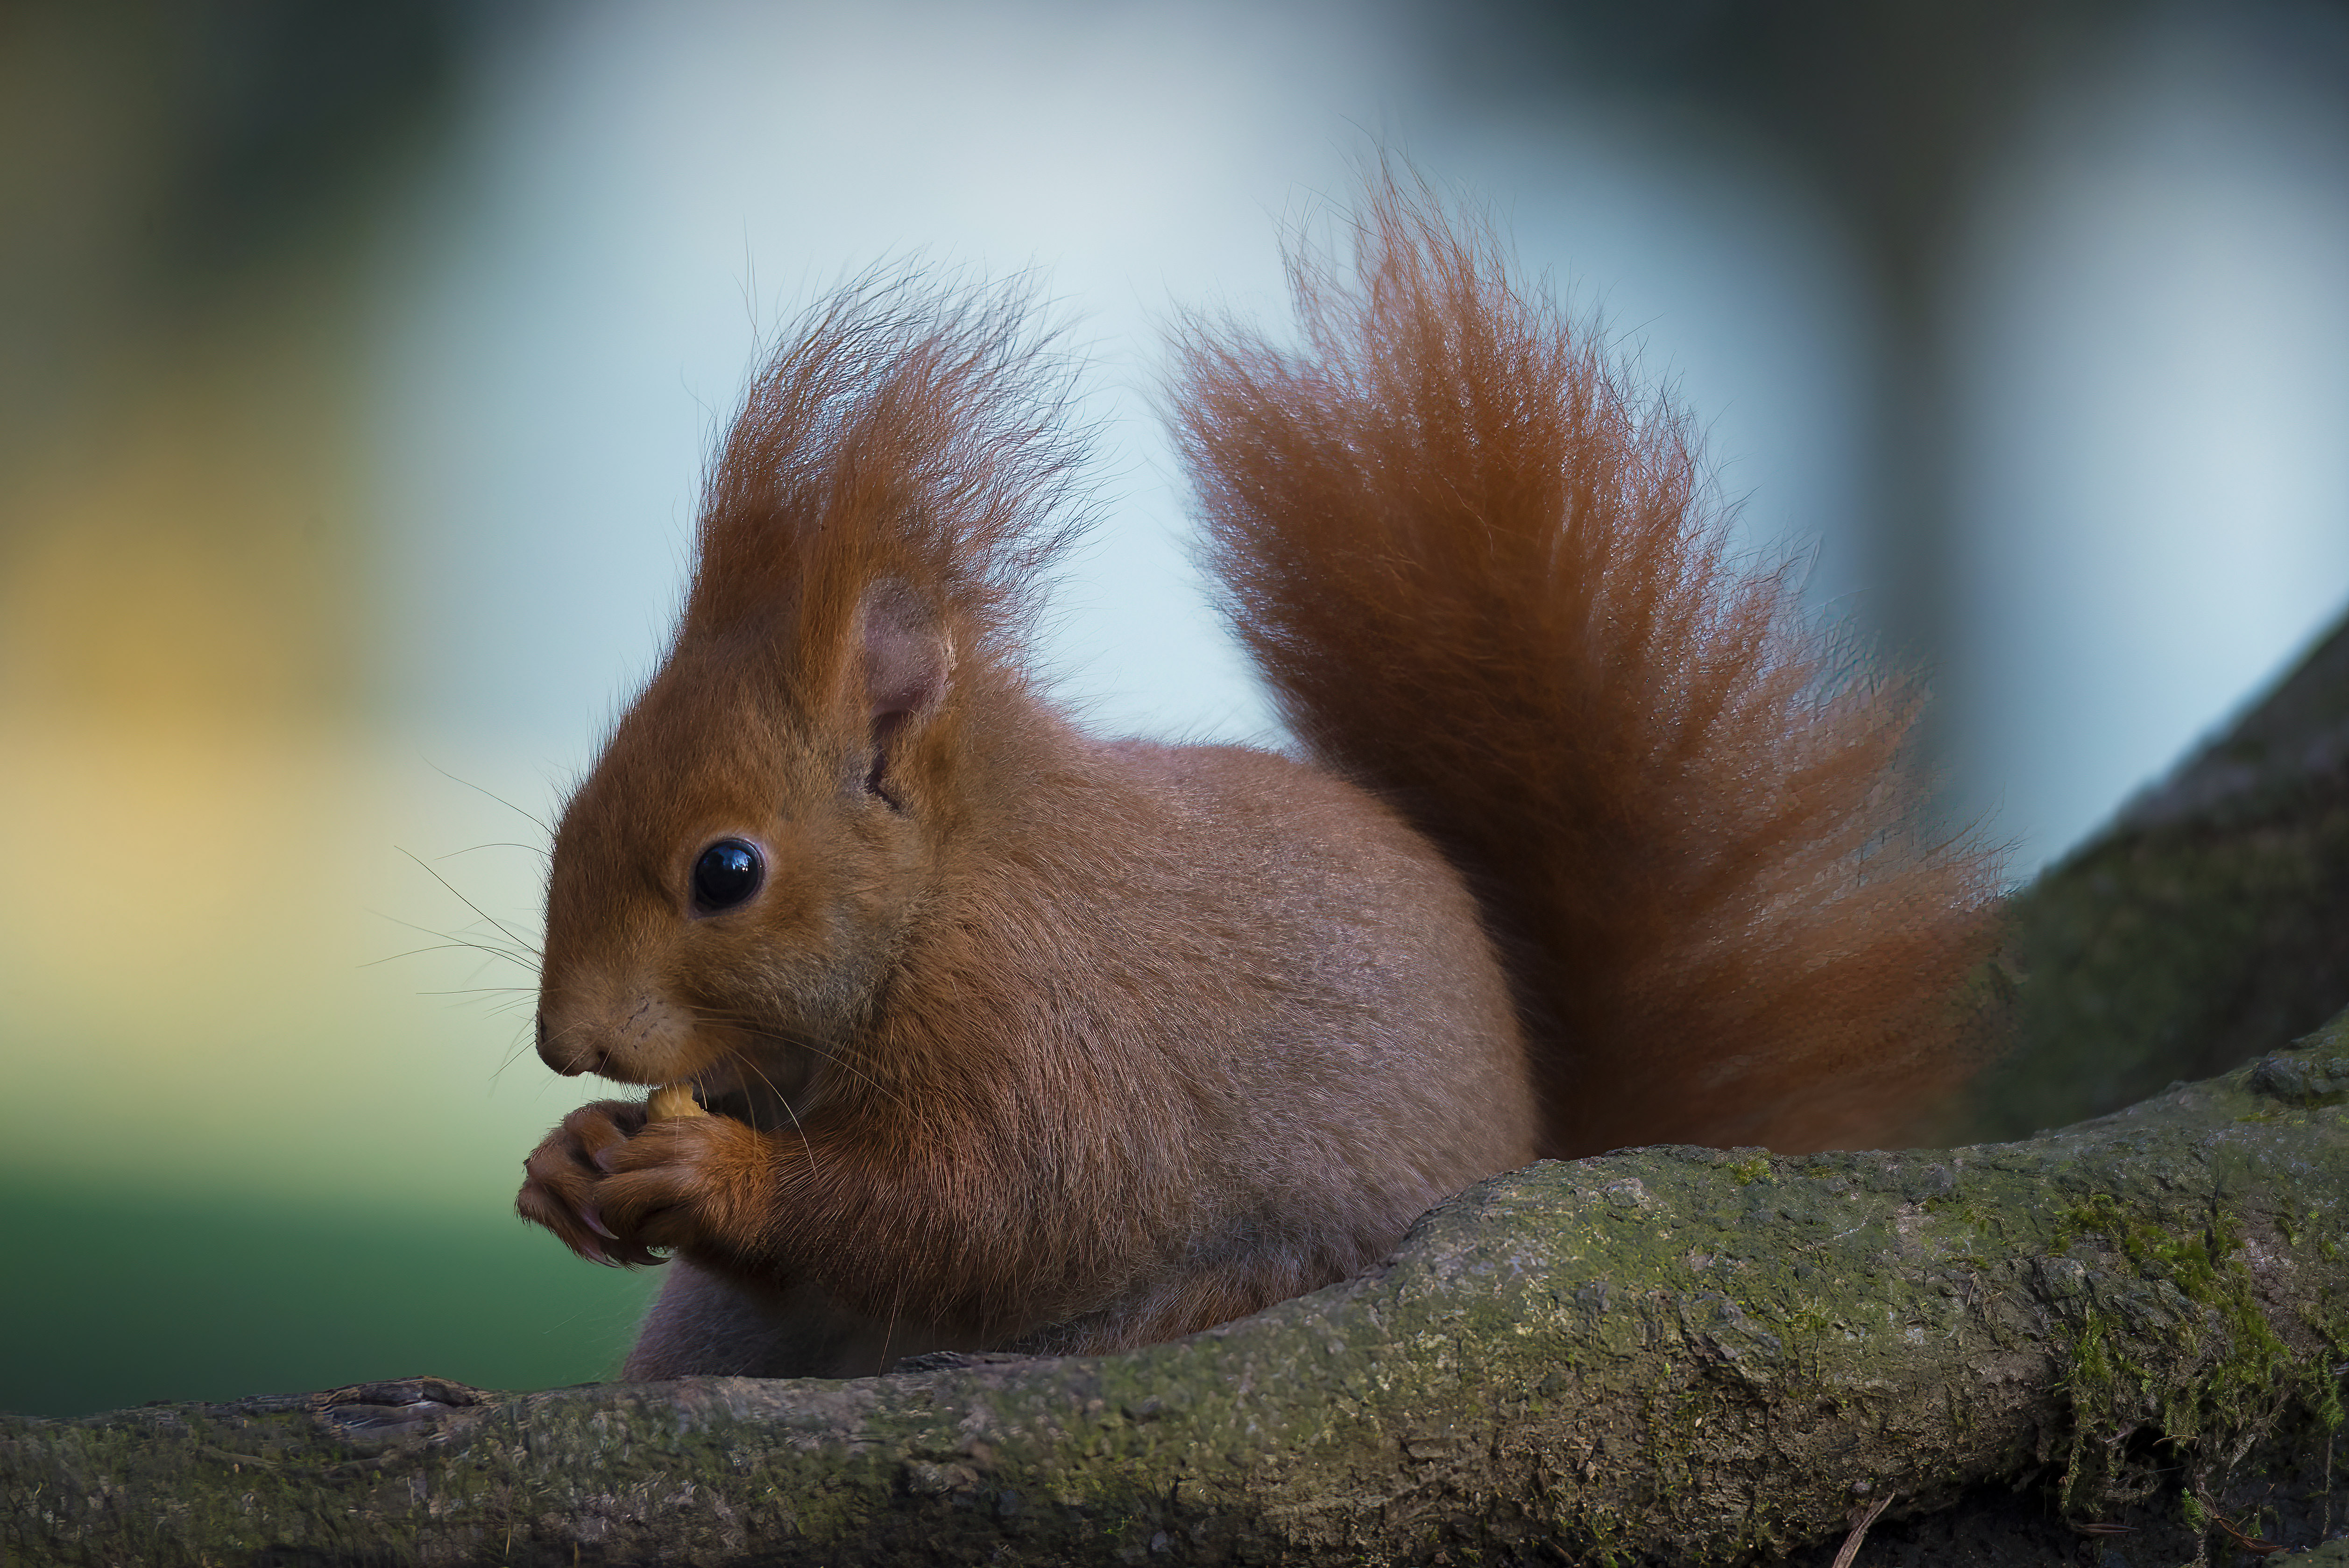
{"type": "Point", "coordinates": [1666, 1355]}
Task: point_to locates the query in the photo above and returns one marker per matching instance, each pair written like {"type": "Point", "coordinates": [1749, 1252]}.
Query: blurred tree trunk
{"type": "Point", "coordinates": [2208, 923]}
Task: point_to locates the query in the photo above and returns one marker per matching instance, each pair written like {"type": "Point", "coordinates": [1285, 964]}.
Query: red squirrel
{"type": "Point", "coordinates": [1018, 1038]}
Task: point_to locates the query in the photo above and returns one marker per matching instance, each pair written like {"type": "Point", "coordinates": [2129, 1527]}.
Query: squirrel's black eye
{"type": "Point", "coordinates": [728, 872]}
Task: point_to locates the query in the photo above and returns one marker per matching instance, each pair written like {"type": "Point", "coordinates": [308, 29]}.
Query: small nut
{"type": "Point", "coordinates": [672, 1102]}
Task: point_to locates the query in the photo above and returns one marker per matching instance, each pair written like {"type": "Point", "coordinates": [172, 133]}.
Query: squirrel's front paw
{"type": "Point", "coordinates": [615, 1186]}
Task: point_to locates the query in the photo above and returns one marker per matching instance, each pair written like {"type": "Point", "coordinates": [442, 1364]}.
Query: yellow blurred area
{"type": "Point", "coordinates": [195, 990]}
{"type": "Point", "coordinates": [243, 1146]}
{"type": "Point", "coordinates": [203, 834]}
{"type": "Point", "coordinates": [162, 593]}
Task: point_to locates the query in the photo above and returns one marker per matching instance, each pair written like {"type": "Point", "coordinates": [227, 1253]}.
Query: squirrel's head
{"type": "Point", "coordinates": [731, 881]}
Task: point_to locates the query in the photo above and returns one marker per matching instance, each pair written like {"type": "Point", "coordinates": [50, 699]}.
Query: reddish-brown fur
{"type": "Point", "coordinates": [1030, 1040]}
{"type": "Point", "coordinates": [1479, 571]}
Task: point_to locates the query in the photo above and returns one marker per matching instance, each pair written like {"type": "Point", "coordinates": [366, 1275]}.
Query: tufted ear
{"type": "Point", "coordinates": [909, 656]}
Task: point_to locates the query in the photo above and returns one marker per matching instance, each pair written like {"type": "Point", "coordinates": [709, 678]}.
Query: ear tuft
{"type": "Point", "coordinates": [909, 654]}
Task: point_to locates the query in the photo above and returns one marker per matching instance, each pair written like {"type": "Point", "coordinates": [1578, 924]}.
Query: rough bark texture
{"type": "Point", "coordinates": [2121, 1344]}
{"type": "Point", "coordinates": [1671, 1355]}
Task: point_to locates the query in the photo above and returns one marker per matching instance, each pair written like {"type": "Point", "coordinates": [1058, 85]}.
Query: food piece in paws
{"type": "Point", "coordinates": [672, 1102]}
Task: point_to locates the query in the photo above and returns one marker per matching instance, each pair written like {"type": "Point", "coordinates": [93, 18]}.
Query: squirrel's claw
{"type": "Point", "coordinates": [685, 1183]}
{"type": "Point", "coordinates": [616, 1187]}
{"type": "Point", "coordinates": [562, 1177]}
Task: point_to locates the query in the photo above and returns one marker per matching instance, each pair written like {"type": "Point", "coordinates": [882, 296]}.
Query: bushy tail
{"type": "Point", "coordinates": [1485, 579]}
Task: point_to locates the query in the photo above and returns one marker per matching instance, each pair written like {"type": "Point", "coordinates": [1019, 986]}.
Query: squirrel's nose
{"type": "Point", "coordinates": [570, 1062]}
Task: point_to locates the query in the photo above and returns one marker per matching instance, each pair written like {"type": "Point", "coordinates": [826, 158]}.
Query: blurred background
{"type": "Point", "coordinates": [357, 364]}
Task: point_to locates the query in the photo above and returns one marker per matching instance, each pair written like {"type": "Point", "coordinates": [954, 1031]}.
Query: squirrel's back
{"type": "Point", "coordinates": [1315, 1039]}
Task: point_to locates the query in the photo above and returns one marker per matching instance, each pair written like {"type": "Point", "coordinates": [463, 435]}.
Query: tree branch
{"type": "Point", "coordinates": [1677, 1355]}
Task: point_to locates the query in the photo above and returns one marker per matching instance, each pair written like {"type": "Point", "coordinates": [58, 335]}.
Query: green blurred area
{"type": "Point", "coordinates": [115, 1298]}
